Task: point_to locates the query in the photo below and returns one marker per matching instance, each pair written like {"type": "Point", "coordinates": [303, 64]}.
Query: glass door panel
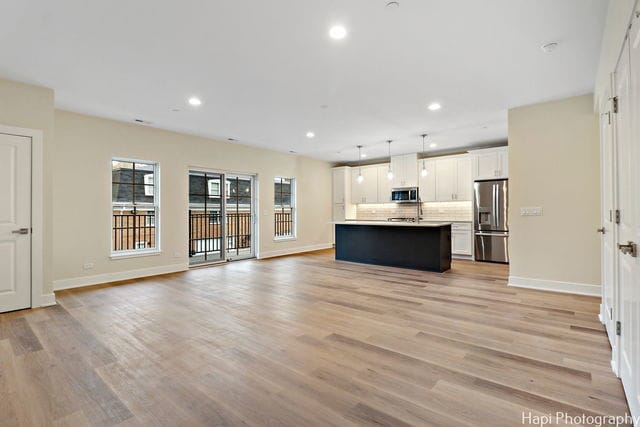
{"type": "Point", "coordinates": [206, 217]}
{"type": "Point", "coordinates": [240, 216]}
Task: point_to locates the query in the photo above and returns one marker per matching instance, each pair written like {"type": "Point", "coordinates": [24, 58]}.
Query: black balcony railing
{"type": "Point", "coordinates": [205, 232]}
{"type": "Point", "coordinates": [283, 224]}
{"type": "Point", "coordinates": [133, 230]}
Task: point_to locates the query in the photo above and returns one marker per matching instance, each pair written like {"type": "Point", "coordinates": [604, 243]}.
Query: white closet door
{"type": "Point", "coordinates": [608, 230]}
{"type": "Point", "coordinates": [628, 182]}
{"type": "Point", "coordinates": [15, 222]}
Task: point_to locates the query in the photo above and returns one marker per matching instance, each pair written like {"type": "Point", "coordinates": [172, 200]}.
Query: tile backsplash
{"type": "Point", "coordinates": [431, 211]}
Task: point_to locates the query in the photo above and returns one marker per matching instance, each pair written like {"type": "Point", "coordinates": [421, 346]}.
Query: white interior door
{"type": "Point", "coordinates": [15, 222]}
{"type": "Point", "coordinates": [608, 228]}
{"type": "Point", "coordinates": [628, 199]}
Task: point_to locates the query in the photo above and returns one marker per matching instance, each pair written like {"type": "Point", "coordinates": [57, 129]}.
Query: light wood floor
{"type": "Point", "coordinates": [306, 340]}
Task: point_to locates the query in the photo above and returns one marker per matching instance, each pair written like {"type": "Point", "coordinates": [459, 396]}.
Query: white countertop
{"type": "Point", "coordinates": [393, 223]}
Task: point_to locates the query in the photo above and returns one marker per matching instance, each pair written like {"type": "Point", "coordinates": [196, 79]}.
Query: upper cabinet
{"type": "Point", "coordinates": [453, 179]}
{"type": "Point", "coordinates": [367, 190]}
{"type": "Point", "coordinates": [405, 170]}
{"type": "Point", "coordinates": [490, 163]}
{"type": "Point", "coordinates": [384, 184]}
{"type": "Point", "coordinates": [464, 172]}
{"type": "Point", "coordinates": [341, 185]}
{"type": "Point", "coordinates": [448, 179]}
{"type": "Point", "coordinates": [427, 186]}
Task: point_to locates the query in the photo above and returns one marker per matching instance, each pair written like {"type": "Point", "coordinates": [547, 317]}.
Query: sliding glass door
{"type": "Point", "coordinates": [221, 217]}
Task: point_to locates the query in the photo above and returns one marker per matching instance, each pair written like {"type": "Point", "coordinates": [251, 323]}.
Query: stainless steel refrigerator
{"type": "Point", "coordinates": [490, 223]}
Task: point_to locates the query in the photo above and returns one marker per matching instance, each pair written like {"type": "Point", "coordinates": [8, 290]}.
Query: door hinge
{"type": "Point", "coordinates": [614, 103]}
{"type": "Point", "coordinates": [618, 328]}
{"type": "Point", "coordinates": [617, 216]}
{"type": "Point", "coordinates": [610, 313]}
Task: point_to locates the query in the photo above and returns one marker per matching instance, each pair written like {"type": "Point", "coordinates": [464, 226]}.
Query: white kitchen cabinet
{"type": "Point", "coordinates": [464, 180]}
{"type": "Point", "coordinates": [342, 207]}
{"type": "Point", "coordinates": [490, 163]}
{"type": "Point", "coordinates": [461, 239]}
{"type": "Point", "coordinates": [339, 213]}
{"type": "Point", "coordinates": [405, 170]}
{"type": "Point", "coordinates": [427, 183]}
{"type": "Point", "coordinates": [341, 184]}
{"type": "Point", "coordinates": [384, 184]}
{"type": "Point", "coordinates": [503, 163]}
{"type": "Point", "coordinates": [453, 179]}
{"type": "Point", "coordinates": [367, 190]}
{"type": "Point", "coordinates": [446, 179]}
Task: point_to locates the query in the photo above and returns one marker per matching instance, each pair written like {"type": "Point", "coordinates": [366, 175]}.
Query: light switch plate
{"type": "Point", "coordinates": [531, 211]}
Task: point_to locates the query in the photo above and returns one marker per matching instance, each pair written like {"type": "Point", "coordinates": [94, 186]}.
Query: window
{"type": "Point", "coordinates": [134, 206]}
{"type": "Point", "coordinates": [284, 204]}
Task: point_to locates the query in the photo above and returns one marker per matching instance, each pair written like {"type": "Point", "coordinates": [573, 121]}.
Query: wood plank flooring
{"type": "Point", "coordinates": [305, 340]}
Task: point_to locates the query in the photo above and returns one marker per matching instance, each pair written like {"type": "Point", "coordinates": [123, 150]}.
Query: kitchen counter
{"type": "Point", "coordinates": [392, 223]}
{"type": "Point", "coordinates": [419, 245]}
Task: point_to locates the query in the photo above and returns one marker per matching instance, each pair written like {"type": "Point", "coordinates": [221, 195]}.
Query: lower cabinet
{"type": "Point", "coordinates": [461, 239]}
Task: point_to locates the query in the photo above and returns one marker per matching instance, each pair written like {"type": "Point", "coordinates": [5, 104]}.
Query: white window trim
{"type": "Point", "coordinates": [294, 207]}
{"type": "Point", "coordinates": [134, 253]}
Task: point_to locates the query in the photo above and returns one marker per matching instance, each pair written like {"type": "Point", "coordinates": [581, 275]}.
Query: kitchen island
{"type": "Point", "coordinates": [417, 245]}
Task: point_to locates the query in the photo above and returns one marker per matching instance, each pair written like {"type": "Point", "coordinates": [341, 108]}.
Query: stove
{"type": "Point", "coordinates": [402, 219]}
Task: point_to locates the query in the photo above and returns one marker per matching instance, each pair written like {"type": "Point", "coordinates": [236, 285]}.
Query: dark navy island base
{"type": "Point", "coordinates": [421, 247]}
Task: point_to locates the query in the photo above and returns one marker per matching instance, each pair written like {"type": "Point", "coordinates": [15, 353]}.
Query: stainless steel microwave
{"type": "Point", "coordinates": [404, 195]}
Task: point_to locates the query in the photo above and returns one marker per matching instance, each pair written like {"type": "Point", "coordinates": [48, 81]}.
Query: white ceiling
{"type": "Point", "coordinates": [267, 72]}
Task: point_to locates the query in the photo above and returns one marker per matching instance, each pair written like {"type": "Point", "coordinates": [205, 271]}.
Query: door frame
{"type": "Point", "coordinates": [38, 297]}
{"type": "Point", "coordinates": [255, 241]}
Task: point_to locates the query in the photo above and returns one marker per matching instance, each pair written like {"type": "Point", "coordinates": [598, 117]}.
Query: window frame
{"type": "Point", "coordinates": [294, 209]}
{"type": "Point", "coordinates": [131, 253]}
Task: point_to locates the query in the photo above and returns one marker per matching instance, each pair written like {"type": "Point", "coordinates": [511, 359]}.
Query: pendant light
{"type": "Point", "coordinates": [390, 172]}
{"type": "Point", "coordinates": [424, 171]}
{"type": "Point", "coordinates": [360, 177]}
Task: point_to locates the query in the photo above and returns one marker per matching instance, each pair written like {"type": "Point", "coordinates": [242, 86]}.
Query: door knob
{"type": "Point", "coordinates": [21, 231]}
{"type": "Point", "coordinates": [601, 230]}
{"type": "Point", "coordinates": [629, 249]}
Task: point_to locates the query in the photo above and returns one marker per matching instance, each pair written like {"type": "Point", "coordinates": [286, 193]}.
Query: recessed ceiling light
{"type": "Point", "coordinates": [434, 106]}
{"type": "Point", "coordinates": [195, 101]}
{"type": "Point", "coordinates": [363, 155]}
{"type": "Point", "coordinates": [433, 145]}
{"type": "Point", "coordinates": [338, 32]}
{"type": "Point", "coordinates": [310, 134]}
{"type": "Point", "coordinates": [549, 47]}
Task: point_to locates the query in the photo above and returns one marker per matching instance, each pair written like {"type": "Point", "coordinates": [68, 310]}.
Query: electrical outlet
{"type": "Point", "coordinates": [531, 211]}
{"type": "Point", "coordinates": [88, 265]}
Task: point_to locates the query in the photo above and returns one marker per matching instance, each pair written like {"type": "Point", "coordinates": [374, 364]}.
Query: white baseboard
{"type": "Point", "coordinates": [78, 282]}
{"type": "Point", "coordinates": [291, 251]}
{"type": "Point", "coordinates": [556, 286]}
{"type": "Point", "coordinates": [47, 300]}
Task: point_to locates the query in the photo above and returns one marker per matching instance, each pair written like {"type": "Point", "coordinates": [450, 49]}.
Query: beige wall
{"type": "Point", "coordinates": [618, 18]}
{"type": "Point", "coordinates": [554, 164]}
{"type": "Point", "coordinates": [31, 107]}
{"type": "Point", "coordinates": [82, 194]}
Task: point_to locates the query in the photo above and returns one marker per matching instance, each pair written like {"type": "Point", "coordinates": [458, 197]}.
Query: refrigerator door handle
{"type": "Point", "coordinates": [498, 234]}
{"type": "Point", "coordinates": [495, 206]}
